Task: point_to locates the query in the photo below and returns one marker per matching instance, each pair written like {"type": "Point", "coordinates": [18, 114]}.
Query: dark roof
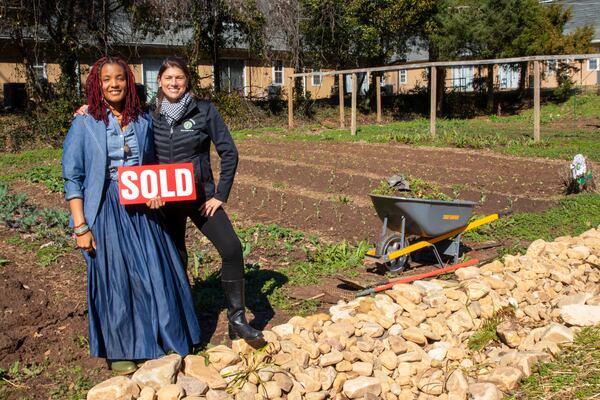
{"type": "Point", "coordinates": [583, 12]}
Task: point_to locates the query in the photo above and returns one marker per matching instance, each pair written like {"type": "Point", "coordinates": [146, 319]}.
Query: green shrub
{"type": "Point", "coordinates": [51, 121]}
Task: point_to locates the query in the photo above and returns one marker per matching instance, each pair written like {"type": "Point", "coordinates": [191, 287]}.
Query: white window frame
{"type": "Point", "coordinates": [319, 77]}
{"type": "Point", "coordinates": [276, 64]}
{"type": "Point", "coordinates": [551, 67]}
{"type": "Point", "coordinates": [462, 70]}
{"type": "Point", "coordinates": [597, 61]}
{"type": "Point", "coordinates": [402, 77]}
{"type": "Point", "coordinates": [44, 69]}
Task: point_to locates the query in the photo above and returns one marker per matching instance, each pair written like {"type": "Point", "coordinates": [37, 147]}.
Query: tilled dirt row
{"type": "Point", "coordinates": [477, 169]}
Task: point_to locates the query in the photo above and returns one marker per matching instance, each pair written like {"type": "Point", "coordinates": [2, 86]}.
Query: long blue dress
{"type": "Point", "coordinates": [139, 298]}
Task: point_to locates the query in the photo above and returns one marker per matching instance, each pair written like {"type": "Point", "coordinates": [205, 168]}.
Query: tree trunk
{"type": "Point", "coordinates": [490, 89]}
{"type": "Point", "coordinates": [441, 89]}
{"type": "Point", "coordinates": [523, 75]}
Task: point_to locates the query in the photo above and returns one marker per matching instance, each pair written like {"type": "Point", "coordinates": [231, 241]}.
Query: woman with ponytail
{"type": "Point", "coordinates": [139, 299]}
{"type": "Point", "coordinates": [185, 128]}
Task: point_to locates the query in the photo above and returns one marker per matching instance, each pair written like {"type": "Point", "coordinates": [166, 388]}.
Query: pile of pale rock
{"type": "Point", "coordinates": [410, 342]}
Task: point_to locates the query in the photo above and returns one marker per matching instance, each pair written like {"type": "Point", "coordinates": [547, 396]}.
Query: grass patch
{"type": "Point", "coordinates": [300, 259]}
{"type": "Point", "coordinates": [575, 374]}
{"type": "Point", "coordinates": [507, 134]}
{"type": "Point", "coordinates": [572, 216]}
{"type": "Point", "coordinates": [327, 260]}
{"type": "Point", "coordinates": [487, 332]}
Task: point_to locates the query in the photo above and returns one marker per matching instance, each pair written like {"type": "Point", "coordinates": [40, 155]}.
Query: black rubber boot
{"type": "Point", "coordinates": [236, 307]}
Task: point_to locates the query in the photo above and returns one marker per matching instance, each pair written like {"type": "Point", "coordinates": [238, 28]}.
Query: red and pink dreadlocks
{"type": "Point", "coordinates": [96, 106]}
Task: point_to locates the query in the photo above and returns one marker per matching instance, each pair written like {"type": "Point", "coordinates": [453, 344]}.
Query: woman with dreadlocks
{"type": "Point", "coordinates": [139, 299]}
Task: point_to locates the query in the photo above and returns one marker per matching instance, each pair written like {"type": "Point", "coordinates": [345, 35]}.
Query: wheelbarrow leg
{"type": "Point", "coordinates": [382, 236]}
{"type": "Point", "coordinates": [437, 256]}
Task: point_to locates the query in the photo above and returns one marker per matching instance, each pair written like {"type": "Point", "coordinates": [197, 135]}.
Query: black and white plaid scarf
{"type": "Point", "coordinates": [174, 111]}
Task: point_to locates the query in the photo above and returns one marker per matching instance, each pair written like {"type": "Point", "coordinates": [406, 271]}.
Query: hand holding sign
{"type": "Point", "coordinates": [170, 182]}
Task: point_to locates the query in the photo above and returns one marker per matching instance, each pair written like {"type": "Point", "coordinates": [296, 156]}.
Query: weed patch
{"type": "Point", "coordinates": [574, 374]}
{"type": "Point", "coordinates": [49, 227]}
{"type": "Point", "coordinates": [572, 216]}
{"type": "Point", "coordinates": [487, 332]}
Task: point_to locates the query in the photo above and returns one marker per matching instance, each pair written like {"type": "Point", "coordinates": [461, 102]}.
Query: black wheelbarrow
{"type": "Point", "coordinates": [435, 224]}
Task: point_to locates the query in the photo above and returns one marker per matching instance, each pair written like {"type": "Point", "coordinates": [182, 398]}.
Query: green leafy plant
{"type": "Point", "coordinates": [487, 332]}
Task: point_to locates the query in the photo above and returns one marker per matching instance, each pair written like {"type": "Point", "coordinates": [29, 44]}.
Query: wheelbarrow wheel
{"type": "Point", "coordinates": [390, 244]}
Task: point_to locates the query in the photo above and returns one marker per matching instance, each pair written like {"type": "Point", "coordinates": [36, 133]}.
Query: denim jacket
{"type": "Point", "coordinates": [85, 160]}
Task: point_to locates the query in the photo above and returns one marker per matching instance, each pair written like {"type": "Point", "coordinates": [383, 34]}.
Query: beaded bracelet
{"type": "Point", "coordinates": [81, 229]}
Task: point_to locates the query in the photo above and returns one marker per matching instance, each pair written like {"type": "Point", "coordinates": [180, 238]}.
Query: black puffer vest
{"type": "Point", "coordinates": [189, 141]}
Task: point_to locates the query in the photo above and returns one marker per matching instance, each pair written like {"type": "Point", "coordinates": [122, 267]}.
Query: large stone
{"type": "Point", "coordinates": [272, 390]}
{"type": "Point", "coordinates": [113, 389]}
{"type": "Point", "coordinates": [578, 252]}
{"type": "Point", "coordinates": [493, 267]}
{"type": "Point", "coordinates": [283, 381]}
{"type": "Point", "coordinates": [327, 377]}
{"type": "Point", "coordinates": [283, 330]}
{"type": "Point", "coordinates": [508, 332]}
{"type": "Point", "coordinates": [431, 382]}
{"type": "Point", "coordinates": [191, 385]}
{"type": "Point", "coordinates": [217, 395]}
{"type": "Point", "coordinates": [457, 382]}
{"type": "Point", "coordinates": [339, 329]}
{"type": "Point", "coordinates": [476, 289]}
{"type": "Point", "coordinates": [579, 298]}
{"type": "Point", "coordinates": [397, 344]}
{"type": "Point", "coordinates": [373, 330]}
{"type": "Point", "coordinates": [170, 392]}
{"type": "Point", "coordinates": [459, 322]}
{"type": "Point", "coordinates": [361, 387]}
{"type": "Point", "coordinates": [558, 334]}
{"type": "Point", "coordinates": [147, 393]}
{"type": "Point", "coordinates": [388, 359]}
{"type": "Point", "coordinates": [331, 358]}
{"type": "Point", "coordinates": [535, 248]}
{"type": "Point", "coordinates": [505, 378]}
{"type": "Point", "coordinates": [308, 383]}
{"type": "Point", "coordinates": [467, 273]}
{"type": "Point", "coordinates": [411, 356]}
{"type": "Point", "coordinates": [484, 391]}
{"type": "Point", "coordinates": [362, 368]}
{"type": "Point", "coordinates": [428, 287]}
{"type": "Point", "coordinates": [222, 356]}
{"type": "Point", "coordinates": [196, 366]}
{"type": "Point", "coordinates": [158, 373]}
{"type": "Point", "coordinates": [407, 291]}
{"type": "Point", "coordinates": [580, 314]}
{"type": "Point", "coordinates": [414, 335]}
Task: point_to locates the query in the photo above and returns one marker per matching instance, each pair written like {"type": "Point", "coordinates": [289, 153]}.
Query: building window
{"type": "Point", "coordinates": [232, 76]}
{"type": "Point", "coordinates": [41, 71]}
{"type": "Point", "coordinates": [278, 73]}
{"type": "Point", "coordinates": [551, 67]}
{"type": "Point", "coordinates": [593, 64]}
{"type": "Point", "coordinates": [316, 78]}
{"type": "Point", "coordinates": [462, 78]}
{"type": "Point", "coordinates": [402, 77]}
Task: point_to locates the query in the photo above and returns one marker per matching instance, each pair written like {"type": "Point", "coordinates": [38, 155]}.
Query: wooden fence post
{"type": "Point", "coordinates": [433, 104]}
{"type": "Point", "coordinates": [378, 95]}
{"type": "Point", "coordinates": [354, 94]}
{"type": "Point", "coordinates": [536, 101]}
{"type": "Point", "coordinates": [290, 99]}
{"type": "Point", "coordinates": [341, 92]}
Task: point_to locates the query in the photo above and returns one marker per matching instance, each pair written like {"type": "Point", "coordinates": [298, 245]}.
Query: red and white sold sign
{"type": "Point", "coordinates": [172, 182]}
